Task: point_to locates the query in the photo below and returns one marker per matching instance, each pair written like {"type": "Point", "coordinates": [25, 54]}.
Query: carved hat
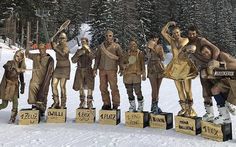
{"type": "Point", "coordinates": [42, 46]}
{"type": "Point", "coordinates": [63, 36]}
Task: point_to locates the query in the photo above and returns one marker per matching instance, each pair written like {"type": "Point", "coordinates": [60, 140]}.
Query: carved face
{"type": "Point", "coordinates": [62, 38]}
{"type": "Point", "coordinates": [156, 39]}
{"type": "Point", "coordinates": [206, 53]}
{"type": "Point", "coordinates": [192, 35]}
{"type": "Point", "coordinates": [42, 50]}
{"type": "Point", "coordinates": [151, 44]}
{"type": "Point", "coordinates": [84, 42]}
{"type": "Point", "coordinates": [176, 33]}
{"type": "Point", "coordinates": [109, 37]}
{"type": "Point", "coordinates": [19, 56]}
{"type": "Point", "coordinates": [133, 45]}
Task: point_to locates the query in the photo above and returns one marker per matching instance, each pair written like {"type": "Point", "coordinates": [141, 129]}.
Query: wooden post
{"type": "Point", "coordinates": [14, 30]}
{"type": "Point", "coordinates": [37, 32]}
{"type": "Point", "coordinates": [28, 35]}
{"type": "Point", "coordinates": [45, 29]}
{"type": "Point", "coordinates": [22, 34]}
{"type": "Point", "coordinates": [30, 39]}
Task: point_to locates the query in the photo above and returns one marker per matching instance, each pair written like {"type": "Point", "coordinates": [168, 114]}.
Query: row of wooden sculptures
{"type": "Point", "coordinates": [191, 56]}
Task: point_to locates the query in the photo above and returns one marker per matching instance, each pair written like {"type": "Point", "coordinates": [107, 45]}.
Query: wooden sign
{"type": "Point", "coordinates": [216, 132]}
{"type": "Point", "coordinates": [56, 115]}
{"type": "Point", "coordinates": [191, 126]}
{"type": "Point", "coordinates": [224, 73]}
{"type": "Point", "coordinates": [163, 120]}
{"type": "Point", "coordinates": [85, 115]}
{"type": "Point", "coordinates": [28, 117]}
{"type": "Point", "coordinates": [109, 117]}
{"type": "Point", "coordinates": [136, 119]}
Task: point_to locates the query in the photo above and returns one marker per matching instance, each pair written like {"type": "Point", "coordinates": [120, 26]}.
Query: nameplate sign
{"type": "Point", "coordinates": [136, 119]}
{"type": "Point", "coordinates": [56, 115]}
{"type": "Point", "coordinates": [191, 126]}
{"type": "Point", "coordinates": [162, 121]}
{"type": "Point", "coordinates": [85, 115]}
{"type": "Point", "coordinates": [109, 117]}
{"type": "Point", "coordinates": [216, 132]}
{"type": "Point", "coordinates": [28, 117]}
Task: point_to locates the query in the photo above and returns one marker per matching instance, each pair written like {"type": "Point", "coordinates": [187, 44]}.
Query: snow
{"type": "Point", "coordinates": [74, 134]}
{"type": "Point", "coordinates": [72, 44]}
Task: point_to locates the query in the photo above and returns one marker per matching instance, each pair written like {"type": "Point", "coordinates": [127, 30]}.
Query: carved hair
{"type": "Point", "coordinates": [176, 28]}
{"type": "Point", "coordinates": [85, 38]}
{"type": "Point", "coordinates": [22, 55]}
{"type": "Point", "coordinates": [193, 28]}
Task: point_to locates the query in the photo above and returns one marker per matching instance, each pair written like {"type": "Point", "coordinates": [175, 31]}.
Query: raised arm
{"type": "Point", "coordinates": [89, 52]}
{"type": "Point", "coordinates": [161, 52]}
{"type": "Point", "coordinates": [75, 57]}
{"type": "Point", "coordinates": [165, 33]}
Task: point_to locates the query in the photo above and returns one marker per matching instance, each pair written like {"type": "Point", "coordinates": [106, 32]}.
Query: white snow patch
{"type": "Point", "coordinates": [72, 44]}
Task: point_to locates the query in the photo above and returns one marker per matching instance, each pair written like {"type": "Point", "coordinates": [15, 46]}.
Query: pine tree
{"type": "Point", "coordinates": [223, 27]}
{"type": "Point", "coordinates": [161, 16]}
{"type": "Point", "coordinates": [146, 13]}
{"type": "Point", "coordinates": [68, 9]}
{"type": "Point", "coordinates": [234, 22]}
{"type": "Point", "coordinates": [99, 15]}
{"type": "Point", "coordinates": [186, 14]}
{"type": "Point", "coordinates": [205, 19]}
{"type": "Point", "coordinates": [119, 24]}
{"type": "Point", "coordinates": [199, 13]}
{"type": "Point", "coordinates": [131, 26]}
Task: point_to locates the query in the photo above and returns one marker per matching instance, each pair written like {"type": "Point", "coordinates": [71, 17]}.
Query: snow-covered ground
{"type": "Point", "coordinates": [74, 134]}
